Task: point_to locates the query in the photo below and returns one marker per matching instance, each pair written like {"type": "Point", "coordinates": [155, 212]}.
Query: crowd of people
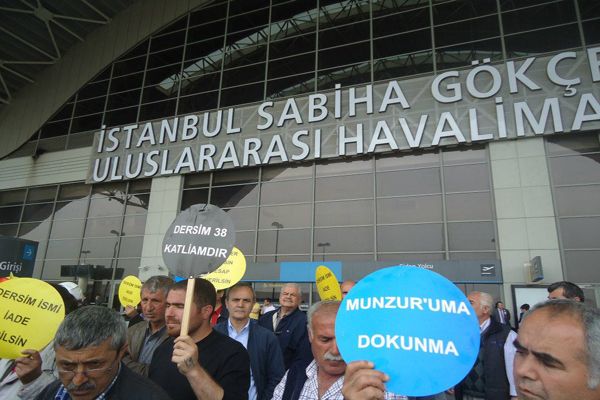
{"type": "Point", "coordinates": [288, 354]}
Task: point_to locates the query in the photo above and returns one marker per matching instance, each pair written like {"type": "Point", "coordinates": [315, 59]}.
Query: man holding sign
{"type": "Point", "coordinates": [204, 364]}
{"type": "Point", "coordinates": [145, 337]}
{"type": "Point", "coordinates": [324, 376]}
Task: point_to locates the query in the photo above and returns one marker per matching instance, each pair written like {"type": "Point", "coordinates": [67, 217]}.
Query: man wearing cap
{"type": "Point", "coordinates": [143, 338]}
{"type": "Point", "coordinates": [89, 346]}
{"type": "Point", "coordinates": [203, 364]}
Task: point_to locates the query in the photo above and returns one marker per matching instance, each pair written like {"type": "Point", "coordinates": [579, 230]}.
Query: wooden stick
{"type": "Point", "coordinates": [189, 297]}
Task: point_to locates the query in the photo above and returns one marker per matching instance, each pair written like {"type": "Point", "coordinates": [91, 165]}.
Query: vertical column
{"type": "Point", "coordinates": [165, 195]}
{"type": "Point", "coordinates": [524, 210]}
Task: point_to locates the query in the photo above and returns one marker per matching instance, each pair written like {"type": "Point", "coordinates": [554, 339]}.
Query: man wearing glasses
{"type": "Point", "coordinates": [289, 325]}
{"type": "Point", "coordinates": [89, 346]}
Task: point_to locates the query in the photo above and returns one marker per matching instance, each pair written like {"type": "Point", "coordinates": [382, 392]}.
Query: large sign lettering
{"type": "Point", "coordinates": [198, 241]}
{"type": "Point", "coordinates": [485, 102]}
{"type": "Point", "coordinates": [31, 311]}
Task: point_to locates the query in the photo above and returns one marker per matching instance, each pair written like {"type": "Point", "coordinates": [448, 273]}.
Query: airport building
{"type": "Point", "coordinates": [462, 136]}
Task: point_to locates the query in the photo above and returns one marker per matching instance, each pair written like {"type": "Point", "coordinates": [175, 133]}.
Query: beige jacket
{"type": "Point", "coordinates": [135, 340]}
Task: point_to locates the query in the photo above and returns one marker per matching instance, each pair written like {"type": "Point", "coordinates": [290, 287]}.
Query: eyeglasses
{"type": "Point", "coordinates": [69, 371]}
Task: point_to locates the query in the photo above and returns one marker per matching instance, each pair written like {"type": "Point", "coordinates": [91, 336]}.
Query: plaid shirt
{"type": "Point", "coordinates": [63, 394]}
{"type": "Point", "coordinates": [310, 391]}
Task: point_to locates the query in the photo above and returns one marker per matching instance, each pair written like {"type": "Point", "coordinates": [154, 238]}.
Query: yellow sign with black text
{"type": "Point", "coordinates": [129, 291]}
{"type": "Point", "coordinates": [327, 284]}
{"type": "Point", "coordinates": [31, 311]}
{"type": "Point", "coordinates": [230, 272]}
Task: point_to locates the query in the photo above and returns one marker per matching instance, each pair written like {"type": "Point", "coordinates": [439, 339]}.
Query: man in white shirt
{"type": "Point", "coordinates": [267, 306]}
{"type": "Point", "coordinates": [266, 359]}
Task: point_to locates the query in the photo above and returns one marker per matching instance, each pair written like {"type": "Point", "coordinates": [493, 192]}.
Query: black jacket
{"type": "Point", "coordinates": [128, 386]}
{"type": "Point", "coordinates": [490, 362]}
{"type": "Point", "coordinates": [292, 335]}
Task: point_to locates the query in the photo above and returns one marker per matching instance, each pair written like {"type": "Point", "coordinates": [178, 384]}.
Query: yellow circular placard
{"type": "Point", "coordinates": [327, 284]}
{"type": "Point", "coordinates": [129, 291]}
{"type": "Point", "coordinates": [230, 272]}
{"type": "Point", "coordinates": [30, 313]}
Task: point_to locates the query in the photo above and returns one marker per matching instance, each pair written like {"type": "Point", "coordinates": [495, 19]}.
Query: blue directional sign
{"type": "Point", "coordinates": [17, 256]}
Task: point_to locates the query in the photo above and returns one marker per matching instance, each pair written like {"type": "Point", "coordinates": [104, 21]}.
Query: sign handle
{"type": "Point", "coordinates": [189, 297]}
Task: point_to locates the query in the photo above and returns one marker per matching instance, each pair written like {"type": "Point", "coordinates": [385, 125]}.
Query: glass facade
{"type": "Point", "coordinates": [79, 224]}
{"type": "Point", "coordinates": [235, 52]}
{"type": "Point", "coordinates": [419, 207]}
{"type": "Point", "coordinates": [575, 174]}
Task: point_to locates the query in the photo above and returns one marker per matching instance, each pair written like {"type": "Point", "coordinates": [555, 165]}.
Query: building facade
{"type": "Point", "coordinates": [450, 134]}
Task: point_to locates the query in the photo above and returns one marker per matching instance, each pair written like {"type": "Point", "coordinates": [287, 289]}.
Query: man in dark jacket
{"type": "Point", "coordinates": [89, 346]}
{"type": "Point", "coordinates": [289, 325]}
{"type": "Point", "coordinates": [501, 314]}
{"type": "Point", "coordinates": [491, 377]}
{"type": "Point", "coordinates": [266, 359]}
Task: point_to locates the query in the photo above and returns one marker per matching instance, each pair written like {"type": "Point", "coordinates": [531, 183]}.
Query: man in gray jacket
{"type": "Point", "coordinates": [143, 338]}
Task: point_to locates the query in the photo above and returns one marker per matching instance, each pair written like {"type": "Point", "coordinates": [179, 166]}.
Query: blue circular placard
{"type": "Point", "coordinates": [413, 324]}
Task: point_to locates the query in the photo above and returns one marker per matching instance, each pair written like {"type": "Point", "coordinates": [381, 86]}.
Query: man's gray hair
{"type": "Point", "coordinates": [156, 283]}
{"type": "Point", "coordinates": [485, 299]}
{"type": "Point", "coordinates": [320, 306]}
{"type": "Point", "coordinates": [90, 326]}
{"type": "Point", "coordinates": [294, 285]}
{"type": "Point", "coordinates": [590, 321]}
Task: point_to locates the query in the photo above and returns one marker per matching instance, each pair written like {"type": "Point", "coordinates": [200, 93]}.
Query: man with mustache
{"type": "Point", "coordinates": [89, 346]}
{"type": "Point", "coordinates": [558, 352]}
{"type": "Point", "coordinates": [204, 364]}
{"type": "Point", "coordinates": [143, 338]}
{"type": "Point", "coordinates": [324, 376]}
